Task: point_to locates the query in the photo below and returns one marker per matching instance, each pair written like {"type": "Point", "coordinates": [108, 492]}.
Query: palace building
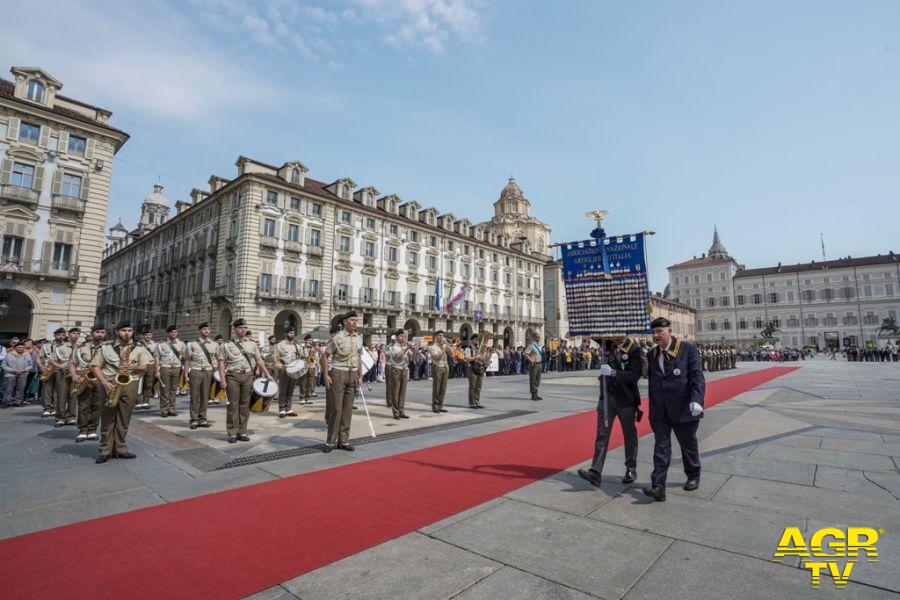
{"type": "Point", "coordinates": [56, 158]}
{"type": "Point", "coordinates": [278, 248]}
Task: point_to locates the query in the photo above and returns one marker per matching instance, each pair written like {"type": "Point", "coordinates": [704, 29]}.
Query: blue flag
{"type": "Point", "coordinates": [437, 294]}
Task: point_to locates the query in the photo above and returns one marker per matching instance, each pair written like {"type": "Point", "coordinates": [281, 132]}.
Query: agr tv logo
{"type": "Point", "coordinates": [830, 549]}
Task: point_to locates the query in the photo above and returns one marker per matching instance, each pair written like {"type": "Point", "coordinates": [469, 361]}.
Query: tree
{"type": "Point", "coordinates": [768, 332]}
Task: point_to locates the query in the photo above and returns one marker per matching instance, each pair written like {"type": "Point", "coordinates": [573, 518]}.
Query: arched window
{"type": "Point", "coordinates": [35, 91]}
{"type": "Point", "coordinates": [295, 175]}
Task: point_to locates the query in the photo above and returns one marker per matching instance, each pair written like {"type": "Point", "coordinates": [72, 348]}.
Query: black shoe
{"type": "Point", "coordinates": [479, 406]}
{"type": "Point", "coordinates": [473, 406]}
{"type": "Point", "coordinates": [164, 415]}
{"type": "Point", "coordinates": [692, 484]}
{"type": "Point", "coordinates": [346, 447]}
{"type": "Point", "coordinates": [243, 437]}
{"type": "Point", "coordinates": [204, 424]}
{"type": "Point", "coordinates": [291, 413]}
{"type": "Point", "coordinates": [590, 476]}
{"type": "Point", "coordinates": [397, 417]}
{"type": "Point", "coordinates": [102, 459]}
{"type": "Point", "coordinates": [404, 416]}
{"type": "Point", "coordinates": [232, 439]}
{"type": "Point", "coordinates": [435, 410]}
{"type": "Point", "coordinates": [630, 476]}
{"type": "Point", "coordinates": [657, 492]}
{"type": "Point", "coordinates": [126, 455]}
{"type": "Point", "coordinates": [173, 414]}
{"type": "Point", "coordinates": [194, 425]}
{"type": "Point", "coordinates": [443, 410]}
{"type": "Point", "coordinates": [326, 449]}
{"type": "Point", "coordinates": [538, 398]}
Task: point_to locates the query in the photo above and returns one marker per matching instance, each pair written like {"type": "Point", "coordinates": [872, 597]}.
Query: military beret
{"type": "Point", "coordinates": [98, 327]}
{"type": "Point", "coordinates": [238, 323]}
{"type": "Point", "coordinates": [660, 322]}
{"type": "Point", "coordinates": [172, 328]}
{"type": "Point", "coordinates": [308, 336]}
{"type": "Point", "coordinates": [218, 337]}
{"type": "Point", "coordinates": [74, 330]}
{"type": "Point", "coordinates": [289, 329]}
{"type": "Point", "coordinates": [60, 330]}
{"type": "Point", "coordinates": [123, 324]}
{"type": "Point", "coordinates": [348, 314]}
{"type": "Point", "coordinates": [400, 332]}
{"type": "Point", "coordinates": [202, 325]}
{"type": "Point", "coordinates": [474, 336]}
{"type": "Point", "coordinates": [439, 332]}
{"type": "Point", "coordinates": [146, 330]}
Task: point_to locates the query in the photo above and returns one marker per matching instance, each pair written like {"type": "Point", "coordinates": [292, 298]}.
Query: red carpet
{"type": "Point", "coordinates": [235, 543]}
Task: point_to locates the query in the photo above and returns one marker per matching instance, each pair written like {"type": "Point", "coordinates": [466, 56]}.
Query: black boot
{"type": "Point", "coordinates": [630, 476]}
{"type": "Point", "coordinates": [657, 492]}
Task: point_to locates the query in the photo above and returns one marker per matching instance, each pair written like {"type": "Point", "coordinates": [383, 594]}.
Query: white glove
{"type": "Point", "coordinates": [607, 371]}
{"type": "Point", "coordinates": [696, 409]}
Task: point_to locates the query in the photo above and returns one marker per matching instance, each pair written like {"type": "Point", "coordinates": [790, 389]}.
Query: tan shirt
{"type": "Point", "coordinates": [197, 356]}
{"type": "Point", "coordinates": [230, 352]}
{"type": "Point", "coordinates": [311, 355]}
{"type": "Point", "coordinates": [63, 354]}
{"type": "Point", "coordinates": [438, 353]}
{"type": "Point", "coordinates": [168, 353]}
{"type": "Point", "coordinates": [288, 352]}
{"type": "Point", "coordinates": [533, 353]}
{"type": "Point", "coordinates": [108, 358]}
{"type": "Point", "coordinates": [151, 348]}
{"type": "Point", "coordinates": [403, 361]}
{"type": "Point", "coordinates": [87, 354]}
{"type": "Point", "coordinates": [343, 350]}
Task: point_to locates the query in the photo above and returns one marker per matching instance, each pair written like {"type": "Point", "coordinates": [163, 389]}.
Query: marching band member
{"type": "Point", "coordinates": [399, 354]}
{"type": "Point", "coordinates": [438, 351]}
{"type": "Point", "coordinates": [198, 372]}
{"type": "Point", "coordinates": [474, 354]}
{"type": "Point", "coordinates": [169, 359]}
{"type": "Point", "coordinates": [149, 378]}
{"type": "Point", "coordinates": [270, 357]}
{"type": "Point", "coordinates": [118, 358]}
{"type": "Point", "coordinates": [237, 361]}
{"type": "Point", "coordinates": [89, 398]}
{"type": "Point", "coordinates": [47, 359]}
{"type": "Point", "coordinates": [533, 356]}
{"type": "Point", "coordinates": [286, 351]}
{"type": "Point", "coordinates": [341, 371]}
{"type": "Point", "coordinates": [65, 404]}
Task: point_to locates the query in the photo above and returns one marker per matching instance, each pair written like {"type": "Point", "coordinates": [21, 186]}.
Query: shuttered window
{"type": "Point", "coordinates": [29, 133]}
{"type": "Point", "coordinates": [22, 175]}
{"type": "Point", "coordinates": [77, 145]}
{"type": "Point", "coordinates": [71, 185]}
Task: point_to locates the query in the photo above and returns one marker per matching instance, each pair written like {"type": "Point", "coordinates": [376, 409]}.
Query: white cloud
{"type": "Point", "coordinates": [424, 23]}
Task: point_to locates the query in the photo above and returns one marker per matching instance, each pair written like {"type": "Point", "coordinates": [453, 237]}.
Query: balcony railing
{"type": "Point", "coordinates": [70, 203]}
{"type": "Point", "coordinates": [299, 292]}
{"type": "Point", "coordinates": [291, 246]}
{"type": "Point", "coordinates": [42, 269]}
{"type": "Point", "coordinates": [222, 291]}
{"type": "Point", "coordinates": [268, 240]}
{"type": "Point", "coordinates": [19, 194]}
{"type": "Point", "coordinates": [314, 250]}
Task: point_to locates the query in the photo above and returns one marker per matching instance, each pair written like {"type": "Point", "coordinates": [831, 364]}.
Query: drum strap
{"type": "Point", "coordinates": [206, 352]}
{"type": "Point", "coordinates": [250, 363]}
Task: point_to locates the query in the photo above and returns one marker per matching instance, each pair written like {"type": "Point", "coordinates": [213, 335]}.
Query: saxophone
{"type": "Point", "coordinates": [122, 380]}
{"type": "Point", "coordinates": [49, 370]}
{"type": "Point", "coordinates": [85, 376]}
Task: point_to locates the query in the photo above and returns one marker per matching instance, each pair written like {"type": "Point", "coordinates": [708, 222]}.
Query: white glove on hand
{"type": "Point", "coordinates": [607, 371]}
{"type": "Point", "coordinates": [696, 409]}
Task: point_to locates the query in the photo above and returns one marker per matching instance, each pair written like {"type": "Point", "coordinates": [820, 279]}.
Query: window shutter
{"type": "Point", "coordinates": [69, 237]}
{"type": "Point", "coordinates": [63, 142]}
{"type": "Point", "coordinates": [44, 140]}
{"type": "Point", "coordinates": [60, 235]}
{"type": "Point", "coordinates": [29, 248]}
{"type": "Point", "coordinates": [56, 188]}
{"type": "Point", "coordinates": [47, 255]}
{"type": "Point", "coordinates": [89, 149]}
{"type": "Point", "coordinates": [5, 171]}
{"type": "Point", "coordinates": [85, 187]}
{"type": "Point", "coordinates": [12, 131]}
{"type": "Point", "coordinates": [38, 179]}
{"type": "Point", "coordinates": [10, 228]}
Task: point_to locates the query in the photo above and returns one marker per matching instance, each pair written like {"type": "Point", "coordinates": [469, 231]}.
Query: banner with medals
{"type": "Point", "coordinates": [607, 303]}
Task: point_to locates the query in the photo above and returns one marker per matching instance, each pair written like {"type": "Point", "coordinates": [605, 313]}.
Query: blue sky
{"type": "Point", "coordinates": [775, 121]}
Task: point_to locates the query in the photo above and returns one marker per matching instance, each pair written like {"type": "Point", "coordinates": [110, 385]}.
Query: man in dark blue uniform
{"type": "Point", "coordinates": [677, 388]}
{"type": "Point", "coordinates": [622, 369]}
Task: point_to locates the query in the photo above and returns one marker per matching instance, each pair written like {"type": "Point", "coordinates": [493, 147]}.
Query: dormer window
{"type": "Point", "coordinates": [35, 91]}
{"type": "Point", "coordinates": [295, 175]}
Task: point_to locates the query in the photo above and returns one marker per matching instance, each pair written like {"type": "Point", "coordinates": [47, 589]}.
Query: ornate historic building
{"type": "Point", "coordinates": [830, 303]}
{"type": "Point", "coordinates": [276, 247]}
{"type": "Point", "coordinates": [55, 168]}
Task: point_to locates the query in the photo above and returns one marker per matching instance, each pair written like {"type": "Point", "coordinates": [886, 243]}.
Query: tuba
{"type": "Point", "coordinates": [478, 366]}
{"type": "Point", "coordinates": [85, 375]}
{"type": "Point", "coordinates": [122, 380]}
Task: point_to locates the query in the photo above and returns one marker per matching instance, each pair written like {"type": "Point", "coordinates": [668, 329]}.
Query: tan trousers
{"type": "Point", "coordinates": [114, 421]}
{"type": "Point", "coordinates": [48, 388]}
{"type": "Point", "coordinates": [199, 385]}
{"type": "Point", "coordinates": [438, 387]}
{"type": "Point", "coordinates": [240, 387]}
{"type": "Point", "coordinates": [399, 378]}
{"type": "Point", "coordinates": [285, 391]}
{"type": "Point", "coordinates": [89, 408]}
{"type": "Point", "coordinates": [475, 382]}
{"type": "Point", "coordinates": [65, 404]}
{"type": "Point", "coordinates": [308, 384]}
{"type": "Point", "coordinates": [339, 406]}
{"type": "Point", "coordinates": [534, 378]}
{"type": "Point", "coordinates": [147, 386]}
{"type": "Point", "coordinates": [168, 388]}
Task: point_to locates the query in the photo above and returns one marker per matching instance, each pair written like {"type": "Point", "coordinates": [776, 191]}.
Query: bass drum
{"type": "Point", "coordinates": [263, 392]}
{"type": "Point", "coordinates": [259, 404]}
{"type": "Point", "coordinates": [296, 369]}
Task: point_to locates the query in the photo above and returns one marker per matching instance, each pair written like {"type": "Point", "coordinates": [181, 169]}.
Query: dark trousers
{"type": "Point", "coordinates": [114, 420]}
{"type": "Point", "coordinates": [200, 382]}
{"type": "Point", "coordinates": [14, 393]}
{"type": "Point", "coordinates": [286, 385]}
{"type": "Point", "coordinates": [239, 389]}
{"type": "Point", "coordinates": [89, 408]}
{"type": "Point", "coordinates": [686, 434]}
{"type": "Point", "coordinates": [629, 433]}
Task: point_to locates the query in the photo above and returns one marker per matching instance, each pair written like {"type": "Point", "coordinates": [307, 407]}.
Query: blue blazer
{"type": "Point", "coordinates": [680, 382]}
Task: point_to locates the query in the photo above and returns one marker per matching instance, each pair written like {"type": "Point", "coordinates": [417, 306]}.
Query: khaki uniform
{"type": "Point", "coordinates": [397, 376]}
{"type": "Point", "coordinates": [202, 358]}
{"type": "Point", "coordinates": [308, 381]}
{"type": "Point", "coordinates": [149, 378]}
{"type": "Point", "coordinates": [268, 357]}
{"type": "Point", "coordinates": [114, 420]}
{"type": "Point", "coordinates": [287, 353]}
{"type": "Point", "coordinates": [475, 379]}
{"type": "Point", "coordinates": [534, 369]}
{"type": "Point", "coordinates": [89, 399]}
{"type": "Point", "coordinates": [439, 371]}
{"type": "Point", "coordinates": [170, 357]}
{"type": "Point", "coordinates": [65, 404]}
{"type": "Point", "coordinates": [239, 380]}
{"type": "Point", "coordinates": [48, 388]}
{"type": "Point", "coordinates": [343, 351]}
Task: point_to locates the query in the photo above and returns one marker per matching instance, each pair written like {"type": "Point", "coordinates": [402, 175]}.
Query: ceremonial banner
{"type": "Point", "coordinates": [603, 304]}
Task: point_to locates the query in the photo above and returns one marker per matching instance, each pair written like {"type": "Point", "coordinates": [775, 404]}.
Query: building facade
{"type": "Point", "coordinates": [55, 169]}
{"type": "Point", "coordinates": [682, 317]}
{"type": "Point", "coordinates": [278, 248]}
{"type": "Point", "coordinates": [834, 303]}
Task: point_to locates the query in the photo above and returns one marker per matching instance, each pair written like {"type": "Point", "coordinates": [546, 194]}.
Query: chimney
{"type": "Point", "coordinates": [181, 206]}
